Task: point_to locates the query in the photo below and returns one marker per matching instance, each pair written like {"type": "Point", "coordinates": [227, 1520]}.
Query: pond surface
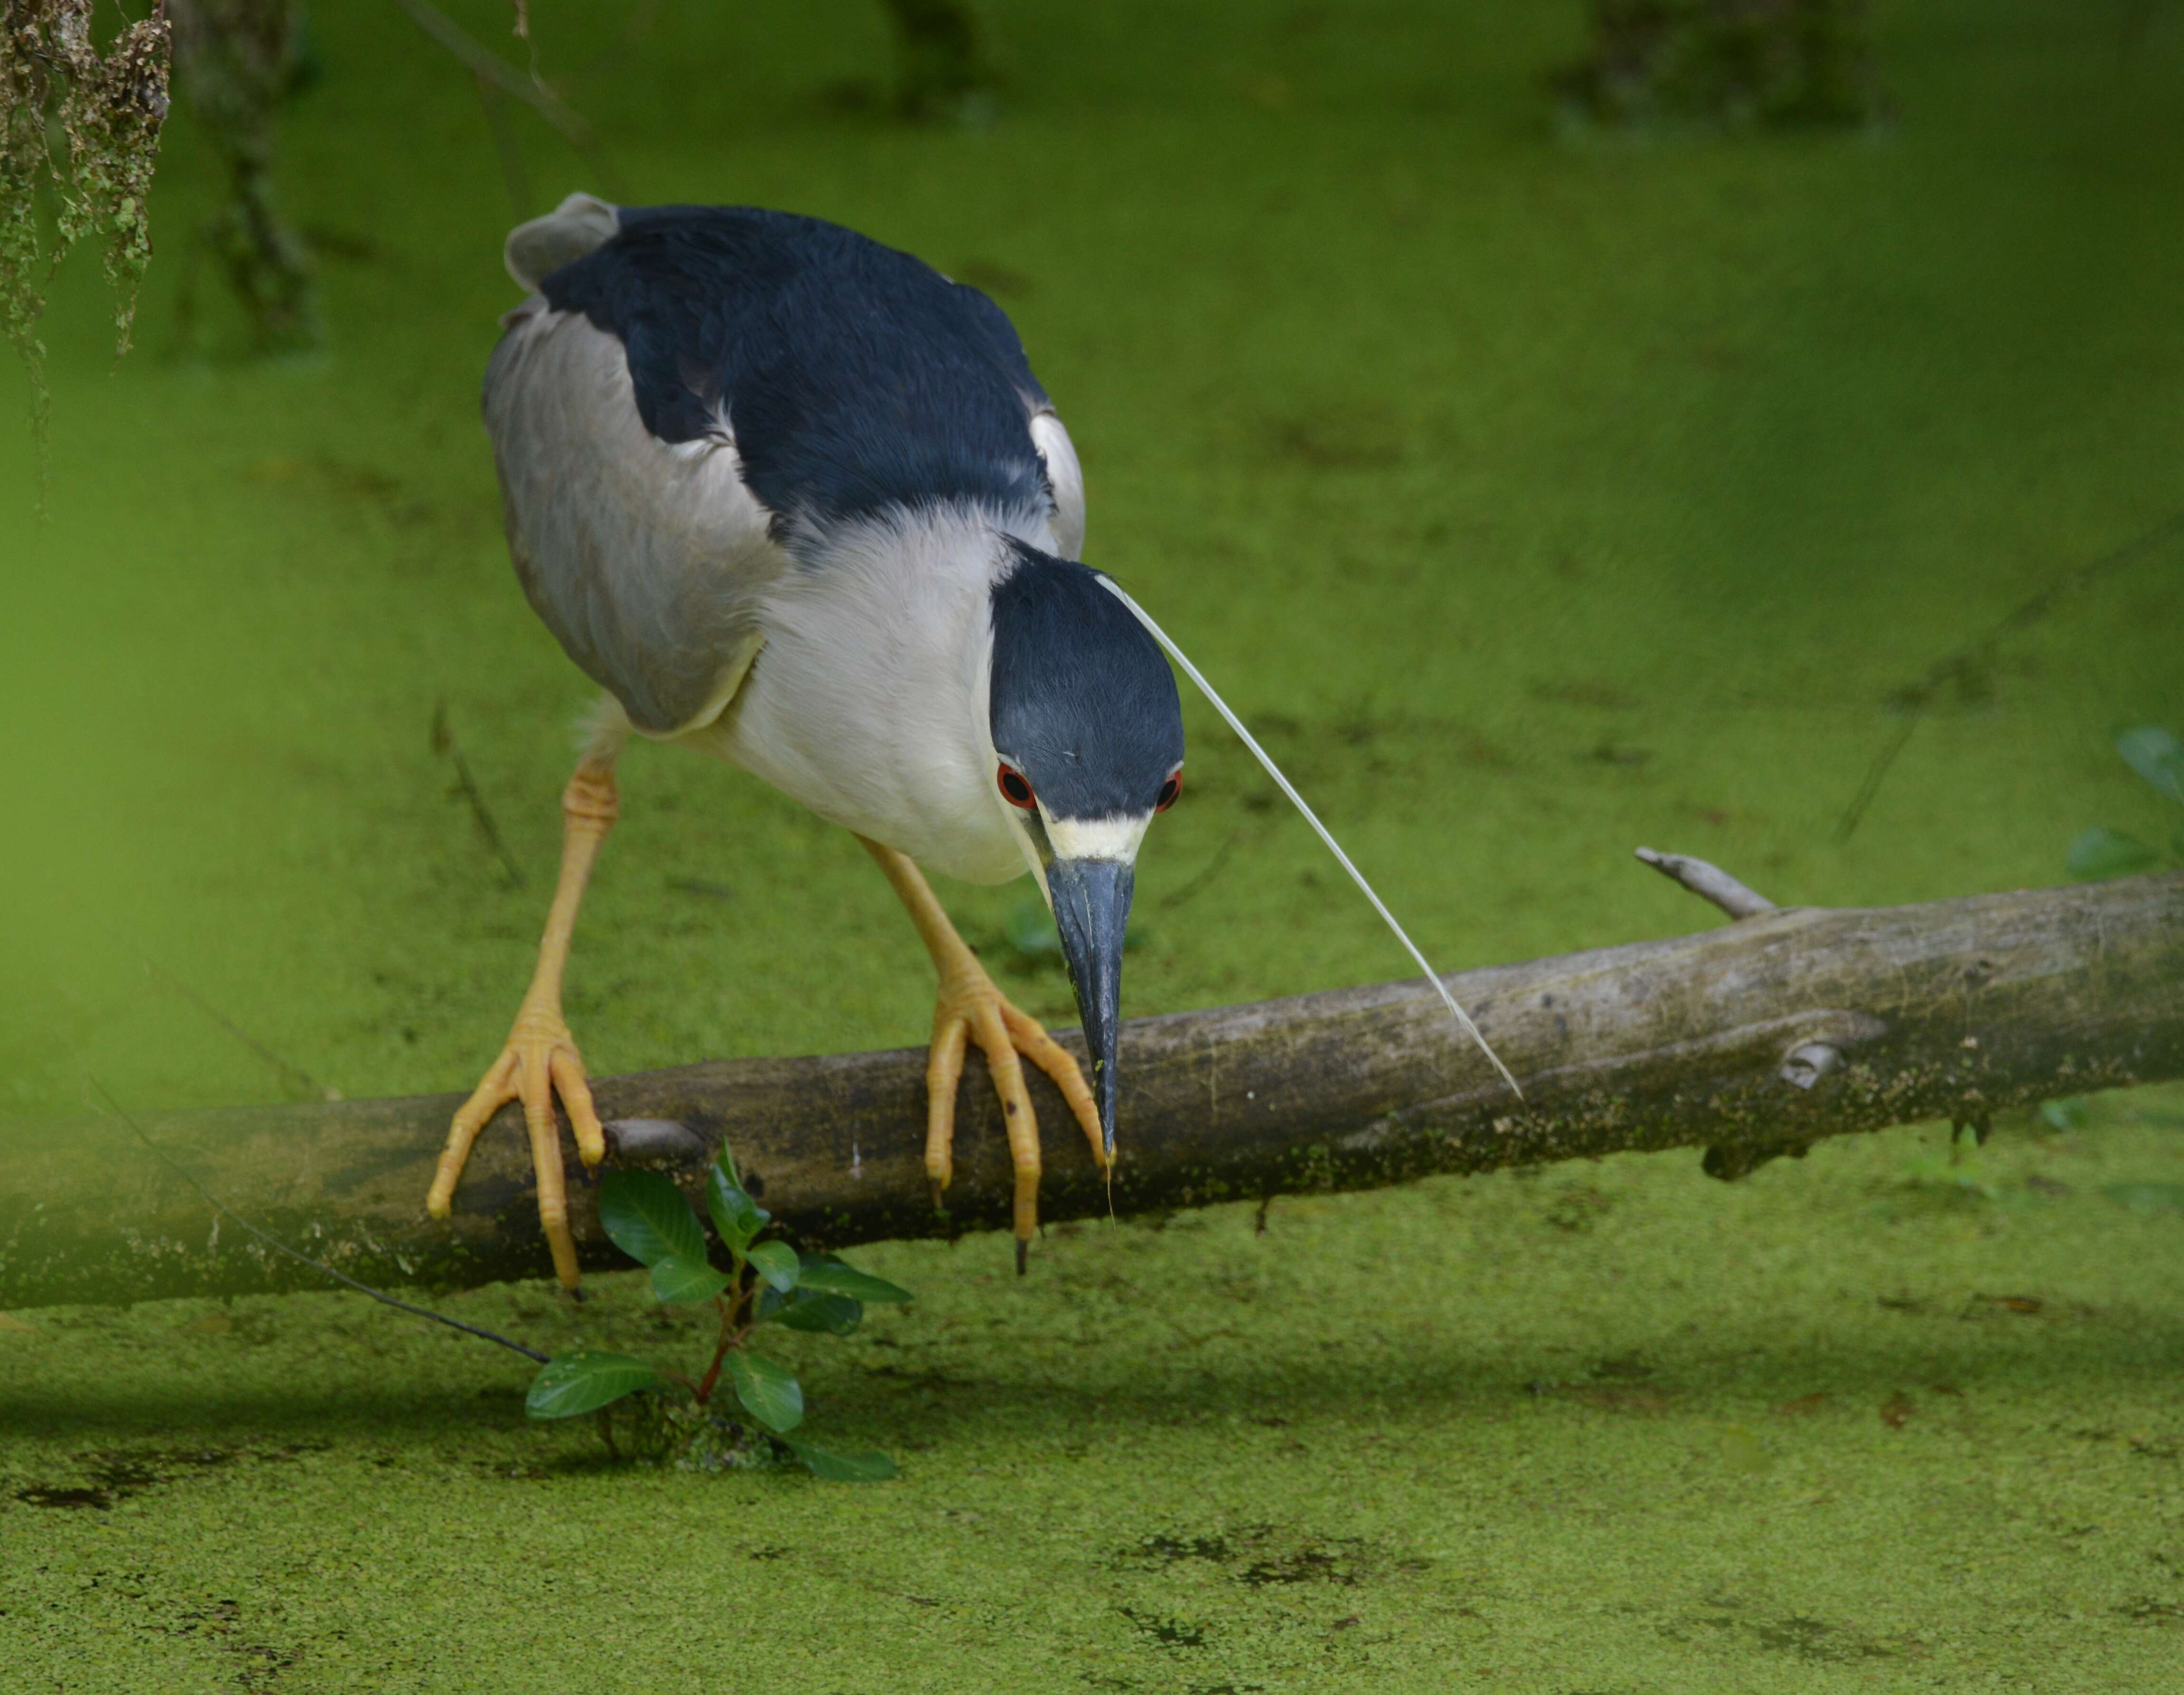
{"type": "Point", "coordinates": [1538, 498]}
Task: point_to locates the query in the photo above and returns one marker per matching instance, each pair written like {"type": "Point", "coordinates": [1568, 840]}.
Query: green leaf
{"type": "Point", "coordinates": [585, 1381]}
{"type": "Point", "coordinates": [2102, 852]}
{"type": "Point", "coordinates": [646, 1217]}
{"type": "Point", "coordinates": [768, 1392]}
{"type": "Point", "coordinates": [2157, 756]}
{"type": "Point", "coordinates": [824, 1272]}
{"type": "Point", "coordinates": [777, 1262]}
{"type": "Point", "coordinates": [679, 1282]}
{"type": "Point", "coordinates": [844, 1468]}
{"type": "Point", "coordinates": [736, 1216]}
{"type": "Point", "coordinates": [833, 1315]}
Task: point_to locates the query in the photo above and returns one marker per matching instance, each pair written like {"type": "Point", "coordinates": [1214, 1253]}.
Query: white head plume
{"type": "Point", "coordinates": [1235, 723]}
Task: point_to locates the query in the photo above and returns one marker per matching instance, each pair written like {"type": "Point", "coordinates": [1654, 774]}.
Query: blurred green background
{"type": "Point", "coordinates": [1541, 489]}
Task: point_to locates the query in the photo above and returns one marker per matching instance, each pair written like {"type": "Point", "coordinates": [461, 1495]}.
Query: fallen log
{"type": "Point", "coordinates": [1750, 1040]}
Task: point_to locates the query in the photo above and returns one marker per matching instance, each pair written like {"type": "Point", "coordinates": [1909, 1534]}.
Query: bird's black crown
{"type": "Point", "coordinates": [1083, 704]}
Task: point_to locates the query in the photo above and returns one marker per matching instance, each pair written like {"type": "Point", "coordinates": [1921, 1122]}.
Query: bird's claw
{"type": "Point", "coordinates": [971, 1008]}
{"type": "Point", "coordinates": [539, 1062]}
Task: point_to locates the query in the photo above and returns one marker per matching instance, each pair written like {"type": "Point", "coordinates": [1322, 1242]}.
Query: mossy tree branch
{"type": "Point", "coordinates": [1751, 1039]}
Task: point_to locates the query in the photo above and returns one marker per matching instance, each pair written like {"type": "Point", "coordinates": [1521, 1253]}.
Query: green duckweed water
{"type": "Point", "coordinates": [1540, 498]}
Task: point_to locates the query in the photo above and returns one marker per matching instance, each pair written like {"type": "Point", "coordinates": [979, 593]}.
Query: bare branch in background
{"type": "Point", "coordinates": [238, 63]}
{"type": "Point", "coordinates": [444, 744]}
{"type": "Point", "coordinates": [293, 1078]}
{"type": "Point", "coordinates": [1709, 883]}
{"type": "Point", "coordinates": [483, 62]}
{"type": "Point", "coordinates": [515, 172]}
{"type": "Point", "coordinates": [1968, 671]}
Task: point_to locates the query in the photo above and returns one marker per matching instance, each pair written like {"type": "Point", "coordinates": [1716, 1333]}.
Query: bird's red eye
{"type": "Point", "coordinates": [1169, 790]}
{"type": "Point", "coordinates": [1014, 790]}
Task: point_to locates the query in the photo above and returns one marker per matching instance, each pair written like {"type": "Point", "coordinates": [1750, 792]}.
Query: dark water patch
{"type": "Point", "coordinates": [1168, 1633]}
{"type": "Point", "coordinates": [1169, 1550]}
{"type": "Point", "coordinates": [53, 1495]}
{"type": "Point", "coordinates": [115, 1475]}
{"type": "Point", "coordinates": [1339, 439]}
{"type": "Point", "coordinates": [1809, 1639]}
{"type": "Point", "coordinates": [1578, 1207]}
{"type": "Point", "coordinates": [1798, 1635]}
{"type": "Point", "coordinates": [1591, 694]}
{"type": "Point", "coordinates": [1302, 1565]}
{"type": "Point", "coordinates": [1259, 1556]}
{"type": "Point", "coordinates": [106, 1476]}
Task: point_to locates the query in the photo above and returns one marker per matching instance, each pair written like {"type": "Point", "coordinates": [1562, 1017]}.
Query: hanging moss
{"type": "Point", "coordinates": [110, 108]}
{"type": "Point", "coordinates": [1778, 63]}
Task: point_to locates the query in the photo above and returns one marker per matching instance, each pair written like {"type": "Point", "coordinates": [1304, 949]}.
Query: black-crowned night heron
{"type": "Point", "coordinates": [795, 500]}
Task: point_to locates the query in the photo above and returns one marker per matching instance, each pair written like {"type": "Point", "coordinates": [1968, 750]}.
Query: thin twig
{"type": "Point", "coordinates": [1213, 870]}
{"type": "Point", "coordinates": [1962, 663]}
{"type": "Point", "coordinates": [509, 146]}
{"type": "Point", "coordinates": [1709, 883]}
{"type": "Point", "coordinates": [1874, 773]}
{"type": "Point", "coordinates": [280, 1246]}
{"type": "Point", "coordinates": [483, 62]}
{"type": "Point", "coordinates": [444, 743]}
{"type": "Point", "coordinates": [293, 1078]}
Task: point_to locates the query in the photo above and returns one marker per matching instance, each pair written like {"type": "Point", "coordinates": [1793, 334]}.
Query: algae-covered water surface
{"type": "Point", "coordinates": [1538, 493]}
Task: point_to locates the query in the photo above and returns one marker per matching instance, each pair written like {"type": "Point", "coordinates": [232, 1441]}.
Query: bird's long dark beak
{"type": "Point", "coordinates": [1092, 911]}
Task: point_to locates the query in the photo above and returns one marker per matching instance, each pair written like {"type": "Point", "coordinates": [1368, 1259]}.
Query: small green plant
{"type": "Point", "coordinates": [2156, 755]}
{"type": "Point", "coordinates": [771, 1283]}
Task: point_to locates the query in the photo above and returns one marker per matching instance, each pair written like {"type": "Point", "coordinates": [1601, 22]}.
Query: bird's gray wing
{"type": "Point", "coordinates": [645, 558]}
{"type": "Point", "coordinates": [1064, 477]}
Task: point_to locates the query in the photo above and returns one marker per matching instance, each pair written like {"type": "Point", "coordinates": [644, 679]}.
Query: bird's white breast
{"type": "Point", "coordinates": [868, 702]}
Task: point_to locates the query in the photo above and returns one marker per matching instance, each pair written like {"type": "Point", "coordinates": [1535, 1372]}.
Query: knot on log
{"type": "Point", "coordinates": [1808, 1062]}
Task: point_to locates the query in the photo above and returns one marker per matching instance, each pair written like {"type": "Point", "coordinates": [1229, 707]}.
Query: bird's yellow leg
{"type": "Point", "coordinates": [970, 1008]}
{"type": "Point", "coordinates": [541, 1057]}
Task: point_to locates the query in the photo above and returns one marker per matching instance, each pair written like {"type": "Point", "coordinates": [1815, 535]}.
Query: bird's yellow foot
{"type": "Point", "coordinates": [541, 1057]}
{"type": "Point", "coordinates": [970, 1008]}
{"type": "Point", "coordinates": [540, 1060]}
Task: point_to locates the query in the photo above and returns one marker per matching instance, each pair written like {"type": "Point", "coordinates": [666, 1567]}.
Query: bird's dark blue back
{"type": "Point", "coordinates": [854, 377]}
